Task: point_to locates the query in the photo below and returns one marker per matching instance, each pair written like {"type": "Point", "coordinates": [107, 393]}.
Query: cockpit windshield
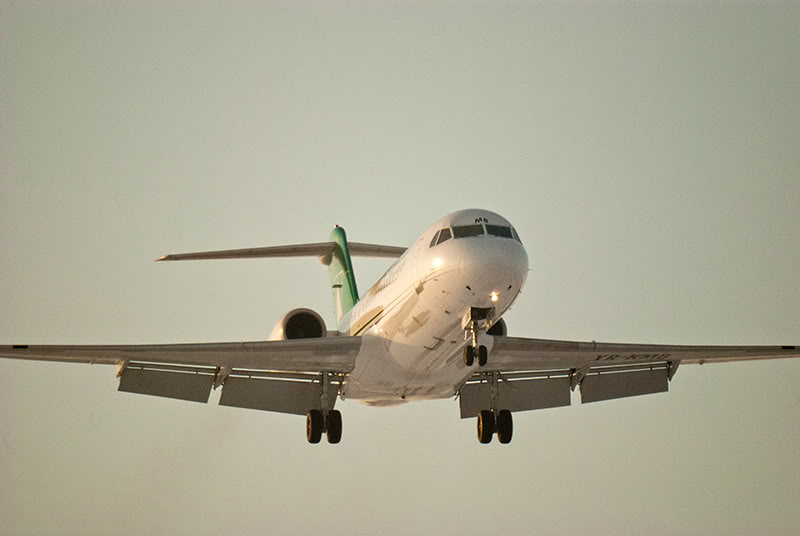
{"type": "Point", "coordinates": [443, 235]}
{"type": "Point", "coordinates": [499, 230]}
{"type": "Point", "coordinates": [464, 231]}
{"type": "Point", "coordinates": [478, 229]}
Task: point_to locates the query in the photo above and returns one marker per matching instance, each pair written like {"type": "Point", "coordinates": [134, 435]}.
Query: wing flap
{"type": "Point", "coordinates": [516, 395]}
{"type": "Point", "coordinates": [599, 386]}
{"type": "Point", "coordinates": [194, 387]}
{"type": "Point", "coordinates": [291, 396]}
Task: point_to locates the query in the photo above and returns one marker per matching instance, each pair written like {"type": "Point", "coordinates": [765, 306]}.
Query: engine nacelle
{"type": "Point", "coordinates": [498, 328]}
{"type": "Point", "coordinates": [299, 324]}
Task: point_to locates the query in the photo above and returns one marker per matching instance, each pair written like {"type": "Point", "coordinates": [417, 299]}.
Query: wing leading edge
{"type": "Point", "coordinates": [517, 353]}
{"type": "Point", "coordinates": [509, 354]}
{"type": "Point", "coordinates": [335, 354]}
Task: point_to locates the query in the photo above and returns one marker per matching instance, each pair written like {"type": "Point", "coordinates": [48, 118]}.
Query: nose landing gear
{"type": "Point", "coordinates": [469, 355]}
{"type": "Point", "coordinates": [474, 322]}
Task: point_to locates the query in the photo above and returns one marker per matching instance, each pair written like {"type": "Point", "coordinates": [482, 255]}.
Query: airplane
{"type": "Point", "coordinates": [430, 328]}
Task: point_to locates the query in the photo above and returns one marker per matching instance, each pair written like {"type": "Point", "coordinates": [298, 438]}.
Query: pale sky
{"type": "Point", "coordinates": [647, 153]}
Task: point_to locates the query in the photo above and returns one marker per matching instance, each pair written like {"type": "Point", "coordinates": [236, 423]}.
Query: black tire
{"type": "Point", "coordinates": [334, 432]}
{"type": "Point", "coordinates": [505, 426]}
{"type": "Point", "coordinates": [314, 424]}
{"type": "Point", "coordinates": [469, 355]}
{"type": "Point", "coordinates": [483, 356]}
{"type": "Point", "coordinates": [485, 426]}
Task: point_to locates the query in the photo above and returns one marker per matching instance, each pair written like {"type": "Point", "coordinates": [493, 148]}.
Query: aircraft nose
{"type": "Point", "coordinates": [493, 266]}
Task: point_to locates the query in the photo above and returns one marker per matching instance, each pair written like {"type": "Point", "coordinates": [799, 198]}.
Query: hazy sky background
{"type": "Point", "coordinates": [647, 153]}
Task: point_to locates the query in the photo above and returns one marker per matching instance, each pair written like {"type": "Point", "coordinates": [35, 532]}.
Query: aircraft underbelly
{"type": "Point", "coordinates": [415, 351]}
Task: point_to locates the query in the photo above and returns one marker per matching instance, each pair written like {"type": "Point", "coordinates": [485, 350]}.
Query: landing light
{"type": "Point", "coordinates": [493, 296]}
{"type": "Point", "coordinates": [437, 263]}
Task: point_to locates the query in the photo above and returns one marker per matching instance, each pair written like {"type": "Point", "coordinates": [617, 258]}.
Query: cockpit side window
{"type": "Point", "coordinates": [464, 231]}
{"type": "Point", "coordinates": [499, 230]}
{"type": "Point", "coordinates": [435, 236]}
{"type": "Point", "coordinates": [444, 235]}
{"type": "Point", "coordinates": [516, 236]}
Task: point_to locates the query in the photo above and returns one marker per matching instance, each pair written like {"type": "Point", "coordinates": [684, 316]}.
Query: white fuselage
{"type": "Point", "coordinates": [413, 319]}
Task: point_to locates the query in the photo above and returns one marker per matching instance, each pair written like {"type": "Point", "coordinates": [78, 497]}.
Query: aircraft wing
{"type": "Point", "coordinates": [540, 373]}
{"type": "Point", "coordinates": [285, 376]}
{"type": "Point", "coordinates": [517, 353]}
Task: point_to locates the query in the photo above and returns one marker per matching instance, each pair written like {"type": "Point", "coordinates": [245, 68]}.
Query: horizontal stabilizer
{"type": "Point", "coordinates": [317, 249]}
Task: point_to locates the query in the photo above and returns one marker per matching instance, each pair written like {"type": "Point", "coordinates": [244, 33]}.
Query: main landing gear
{"type": "Point", "coordinates": [493, 421]}
{"type": "Point", "coordinates": [324, 420]}
{"type": "Point", "coordinates": [490, 423]}
{"type": "Point", "coordinates": [330, 424]}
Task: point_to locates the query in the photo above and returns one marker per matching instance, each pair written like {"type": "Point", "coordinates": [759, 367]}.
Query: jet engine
{"type": "Point", "coordinates": [498, 328]}
{"type": "Point", "coordinates": [299, 324]}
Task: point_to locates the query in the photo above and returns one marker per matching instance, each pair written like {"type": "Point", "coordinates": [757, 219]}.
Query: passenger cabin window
{"type": "Point", "coordinates": [499, 230]}
{"type": "Point", "coordinates": [435, 236]}
{"type": "Point", "coordinates": [444, 235]}
{"type": "Point", "coordinates": [464, 231]}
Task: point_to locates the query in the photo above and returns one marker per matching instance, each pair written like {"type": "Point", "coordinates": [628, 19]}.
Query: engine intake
{"type": "Point", "coordinates": [299, 324]}
{"type": "Point", "coordinates": [498, 328]}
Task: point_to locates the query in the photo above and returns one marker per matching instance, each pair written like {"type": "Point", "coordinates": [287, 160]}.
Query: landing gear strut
{"type": "Point", "coordinates": [324, 420]}
{"type": "Point", "coordinates": [493, 421]}
{"type": "Point", "coordinates": [475, 321]}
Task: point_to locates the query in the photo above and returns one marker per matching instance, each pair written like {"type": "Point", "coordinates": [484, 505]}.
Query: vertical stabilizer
{"type": "Point", "coordinates": [340, 271]}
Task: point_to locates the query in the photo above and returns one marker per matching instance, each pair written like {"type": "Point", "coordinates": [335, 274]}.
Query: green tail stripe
{"type": "Point", "coordinates": [340, 271]}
